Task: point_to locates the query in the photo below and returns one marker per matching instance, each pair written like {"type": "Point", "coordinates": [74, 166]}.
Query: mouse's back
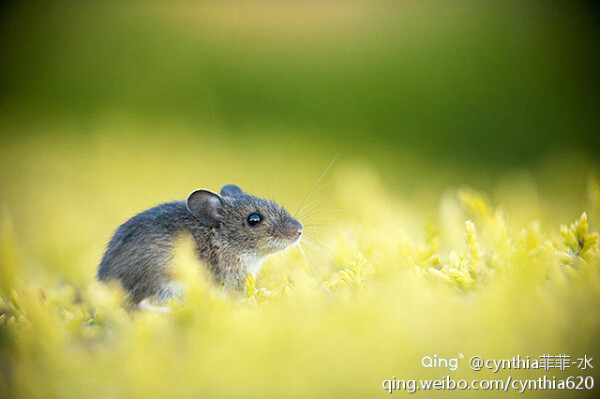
{"type": "Point", "coordinates": [139, 251]}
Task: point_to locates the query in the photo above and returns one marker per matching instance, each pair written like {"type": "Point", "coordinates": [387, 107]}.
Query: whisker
{"type": "Point", "coordinates": [315, 227]}
{"type": "Point", "coordinates": [317, 248]}
{"type": "Point", "coordinates": [323, 207]}
{"type": "Point", "coordinates": [312, 240]}
{"type": "Point", "coordinates": [319, 218]}
{"type": "Point", "coordinates": [310, 192]}
{"type": "Point", "coordinates": [324, 245]}
{"type": "Point", "coordinates": [315, 205]}
{"type": "Point", "coordinates": [316, 232]}
{"type": "Point", "coordinates": [311, 268]}
{"type": "Point", "coordinates": [315, 211]}
{"type": "Point", "coordinates": [306, 207]}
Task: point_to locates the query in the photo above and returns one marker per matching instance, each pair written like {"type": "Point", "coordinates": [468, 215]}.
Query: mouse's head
{"type": "Point", "coordinates": [247, 224]}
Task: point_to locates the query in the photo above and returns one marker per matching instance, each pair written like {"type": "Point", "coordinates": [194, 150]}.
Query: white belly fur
{"type": "Point", "coordinates": [252, 264]}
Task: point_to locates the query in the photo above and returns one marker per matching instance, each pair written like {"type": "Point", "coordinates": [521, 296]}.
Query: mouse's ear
{"type": "Point", "coordinates": [231, 190]}
{"type": "Point", "coordinates": [206, 206]}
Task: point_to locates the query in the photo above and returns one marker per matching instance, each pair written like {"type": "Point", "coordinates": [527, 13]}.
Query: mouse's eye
{"type": "Point", "coordinates": [254, 219]}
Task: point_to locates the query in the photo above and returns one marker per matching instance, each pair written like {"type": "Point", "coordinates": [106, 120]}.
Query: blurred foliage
{"type": "Point", "coordinates": [373, 292]}
{"type": "Point", "coordinates": [460, 215]}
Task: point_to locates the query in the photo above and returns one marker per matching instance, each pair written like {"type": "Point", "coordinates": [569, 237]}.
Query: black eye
{"type": "Point", "coordinates": [254, 219]}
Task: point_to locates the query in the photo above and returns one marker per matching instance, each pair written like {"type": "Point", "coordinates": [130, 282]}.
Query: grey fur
{"type": "Point", "coordinates": [139, 253]}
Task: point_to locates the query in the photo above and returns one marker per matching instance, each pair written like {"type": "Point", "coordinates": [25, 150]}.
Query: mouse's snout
{"type": "Point", "coordinates": [293, 230]}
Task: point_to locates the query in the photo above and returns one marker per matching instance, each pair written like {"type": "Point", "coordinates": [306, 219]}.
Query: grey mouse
{"type": "Point", "coordinates": [233, 233]}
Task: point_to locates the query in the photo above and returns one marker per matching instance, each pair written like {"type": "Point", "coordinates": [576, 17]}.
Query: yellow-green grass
{"type": "Point", "coordinates": [388, 279]}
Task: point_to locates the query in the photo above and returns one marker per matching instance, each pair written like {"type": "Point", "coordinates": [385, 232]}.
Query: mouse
{"type": "Point", "coordinates": [233, 233]}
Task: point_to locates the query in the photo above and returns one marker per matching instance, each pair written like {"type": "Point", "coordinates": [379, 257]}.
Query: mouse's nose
{"type": "Point", "coordinates": [294, 229]}
{"type": "Point", "coordinates": [299, 228]}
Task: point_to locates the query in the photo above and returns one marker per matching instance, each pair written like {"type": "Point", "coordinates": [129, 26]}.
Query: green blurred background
{"type": "Point", "coordinates": [498, 83]}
